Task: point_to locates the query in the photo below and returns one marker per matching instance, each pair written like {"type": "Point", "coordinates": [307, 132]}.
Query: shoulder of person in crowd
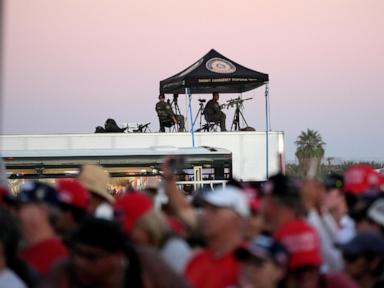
{"type": "Point", "coordinates": [61, 275]}
{"type": "Point", "coordinates": [153, 265]}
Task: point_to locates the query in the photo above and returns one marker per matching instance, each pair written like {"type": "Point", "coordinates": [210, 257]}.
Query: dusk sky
{"type": "Point", "coordinates": [70, 64]}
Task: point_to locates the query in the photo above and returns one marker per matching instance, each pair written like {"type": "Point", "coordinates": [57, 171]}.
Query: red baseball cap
{"type": "Point", "coordinates": [130, 207]}
{"type": "Point", "coordinates": [302, 244]}
{"type": "Point", "coordinates": [359, 178]}
{"type": "Point", "coordinates": [382, 181]}
{"type": "Point", "coordinates": [72, 193]}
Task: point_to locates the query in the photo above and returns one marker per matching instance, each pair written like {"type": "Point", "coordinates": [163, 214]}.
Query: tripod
{"type": "Point", "coordinates": [142, 128]}
{"type": "Point", "coordinates": [175, 105]}
{"type": "Point", "coordinates": [238, 114]}
{"type": "Point", "coordinates": [177, 113]}
{"type": "Point", "coordinates": [199, 113]}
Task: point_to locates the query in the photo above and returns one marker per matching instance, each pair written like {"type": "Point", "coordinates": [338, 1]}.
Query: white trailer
{"type": "Point", "coordinates": [248, 148]}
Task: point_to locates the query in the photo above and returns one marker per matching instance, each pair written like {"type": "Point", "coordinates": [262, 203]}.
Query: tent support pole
{"type": "Point", "coordinates": [188, 92]}
{"type": "Point", "coordinates": [267, 129]}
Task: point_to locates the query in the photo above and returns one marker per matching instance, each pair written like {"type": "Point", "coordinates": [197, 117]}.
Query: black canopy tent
{"type": "Point", "coordinates": [217, 73]}
{"type": "Point", "coordinates": [214, 73]}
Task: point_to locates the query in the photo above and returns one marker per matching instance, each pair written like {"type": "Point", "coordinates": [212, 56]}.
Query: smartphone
{"type": "Point", "coordinates": [177, 164]}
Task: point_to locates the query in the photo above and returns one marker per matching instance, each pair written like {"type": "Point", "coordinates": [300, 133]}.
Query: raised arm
{"type": "Point", "coordinates": [177, 200]}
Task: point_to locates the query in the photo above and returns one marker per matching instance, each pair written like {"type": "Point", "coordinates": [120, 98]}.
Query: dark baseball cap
{"type": "Point", "coordinates": [364, 244]}
{"type": "Point", "coordinates": [285, 189]}
{"type": "Point", "coordinates": [37, 192]}
{"type": "Point", "coordinates": [263, 248]}
{"type": "Point", "coordinates": [100, 233]}
{"type": "Point", "coordinates": [280, 185]}
{"type": "Point", "coordinates": [333, 181]}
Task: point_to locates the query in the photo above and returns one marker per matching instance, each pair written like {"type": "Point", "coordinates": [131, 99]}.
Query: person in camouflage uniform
{"type": "Point", "coordinates": [213, 113]}
{"type": "Point", "coordinates": [166, 116]}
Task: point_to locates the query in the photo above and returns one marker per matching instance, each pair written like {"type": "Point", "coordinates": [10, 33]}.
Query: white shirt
{"type": "Point", "coordinates": [332, 257]}
{"type": "Point", "coordinates": [8, 279]}
{"type": "Point", "coordinates": [176, 253]}
{"type": "Point", "coordinates": [347, 230]}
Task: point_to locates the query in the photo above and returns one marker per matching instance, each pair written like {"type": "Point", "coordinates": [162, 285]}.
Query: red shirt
{"type": "Point", "coordinates": [204, 270]}
{"type": "Point", "coordinates": [43, 255]}
{"type": "Point", "coordinates": [336, 280]}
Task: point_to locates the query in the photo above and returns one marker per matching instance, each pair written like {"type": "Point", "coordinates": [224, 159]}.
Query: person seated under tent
{"type": "Point", "coordinates": [167, 117]}
{"type": "Point", "coordinates": [212, 112]}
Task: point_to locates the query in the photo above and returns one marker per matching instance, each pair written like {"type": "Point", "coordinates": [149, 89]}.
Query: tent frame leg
{"type": "Point", "coordinates": [188, 92]}
{"type": "Point", "coordinates": [267, 129]}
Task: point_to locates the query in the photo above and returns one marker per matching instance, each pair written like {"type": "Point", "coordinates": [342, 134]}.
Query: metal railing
{"type": "Point", "coordinates": [200, 184]}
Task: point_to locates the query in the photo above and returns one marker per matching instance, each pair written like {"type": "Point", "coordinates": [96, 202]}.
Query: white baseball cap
{"type": "Point", "coordinates": [376, 212]}
{"type": "Point", "coordinates": [229, 197]}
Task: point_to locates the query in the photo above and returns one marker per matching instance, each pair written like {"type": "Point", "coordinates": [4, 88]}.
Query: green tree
{"type": "Point", "coordinates": [309, 152]}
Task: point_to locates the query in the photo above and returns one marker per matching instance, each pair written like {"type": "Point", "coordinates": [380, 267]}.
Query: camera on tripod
{"type": "Point", "coordinates": [202, 100]}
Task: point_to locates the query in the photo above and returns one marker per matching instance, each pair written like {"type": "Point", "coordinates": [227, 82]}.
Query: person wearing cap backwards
{"type": "Point", "coordinates": [263, 263]}
{"type": "Point", "coordinates": [225, 211]}
{"type": "Point", "coordinates": [282, 208]}
{"type": "Point", "coordinates": [38, 210]}
{"type": "Point", "coordinates": [73, 198]}
{"type": "Point", "coordinates": [95, 179]}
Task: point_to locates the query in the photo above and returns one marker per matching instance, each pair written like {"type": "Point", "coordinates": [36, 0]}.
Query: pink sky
{"type": "Point", "coordinates": [70, 64]}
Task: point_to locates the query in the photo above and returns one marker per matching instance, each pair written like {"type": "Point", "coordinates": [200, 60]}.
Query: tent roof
{"type": "Point", "coordinates": [214, 73]}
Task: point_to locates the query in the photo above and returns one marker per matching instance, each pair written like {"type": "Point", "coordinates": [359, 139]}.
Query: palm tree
{"type": "Point", "coordinates": [309, 152]}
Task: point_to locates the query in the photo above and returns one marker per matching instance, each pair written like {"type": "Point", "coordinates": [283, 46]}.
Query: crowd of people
{"type": "Point", "coordinates": [283, 233]}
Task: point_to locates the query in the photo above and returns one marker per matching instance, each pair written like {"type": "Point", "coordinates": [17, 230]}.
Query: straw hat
{"type": "Point", "coordinates": [96, 180]}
